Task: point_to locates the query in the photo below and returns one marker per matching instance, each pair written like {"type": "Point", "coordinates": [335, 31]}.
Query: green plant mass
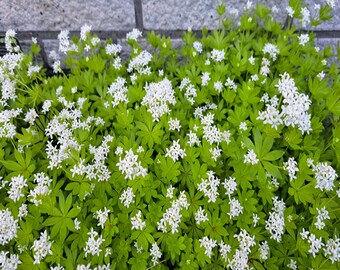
{"type": "Point", "coordinates": [223, 153]}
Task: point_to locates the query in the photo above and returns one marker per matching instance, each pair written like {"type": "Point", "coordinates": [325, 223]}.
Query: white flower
{"type": "Point", "coordinates": [92, 244]}
{"type": "Point", "coordinates": [235, 208]}
{"type": "Point", "coordinates": [193, 139]}
{"type": "Point", "coordinates": [205, 78]}
{"type": "Point", "coordinates": [46, 106]}
{"type": "Point", "coordinates": [251, 157]}
{"type": "Point", "coordinates": [41, 247]}
{"type": "Point", "coordinates": [175, 151]}
{"type": "Point", "coordinates": [256, 219]}
{"type": "Point", "coordinates": [137, 222]}
{"type": "Point", "coordinates": [217, 55]}
{"type": "Point", "coordinates": [198, 46]}
{"type": "Point", "coordinates": [130, 166]}
{"type": "Point", "coordinates": [9, 263]}
{"type": "Point", "coordinates": [218, 86]}
{"type": "Point", "coordinates": [76, 224]}
{"type": "Point", "coordinates": [30, 116]}
{"type": "Point", "coordinates": [157, 97]}
{"type": "Point", "coordinates": [127, 197]}
{"type": "Point", "coordinates": [208, 245]}
{"type": "Point", "coordinates": [303, 39]}
{"type": "Point", "coordinates": [113, 49]}
{"type": "Point", "coordinates": [172, 216]}
{"type": "Point", "coordinates": [138, 63]}
{"type": "Point", "coordinates": [155, 253]}
{"type": "Point", "coordinates": [322, 215]}
{"type": "Point", "coordinates": [230, 185]}
{"type": "Point", "coordinates": [275, 223]}
{"type": "Point", "coordinates": [200, 216]}
{"type": "Point", "coordinates": [224, 250]}
{"type": "Point", "coordinates": [292, 265]}
{"type": "Point", "coordinates": [17, 184]}
{"type": "Point", "coordinates": [315, 244]}
{"type": "Point", "coordinates": [102, 216]}
{"type": "Point", "coordinates": [174, 124]}
{"type": "Point", "coordinates": [291, 167]}
{"type": "Point", "coordinates": [321, 75]}
{"type": "Point", "coordinates": [243, 126]}
{"type": "Point", "coordinates": [264, 250]}
{"type": "Point", "coordinates": [22, 211]}
{"type": "Point", "coordinates": [271, 49]}
{"type": "Point", "coordinates": [134, 34]}
{"type": "Point", "coordinates": [118, 91]}
{"type": "Point", "coordinates": [251, 60]}
{"type": "Point", "coordinates": [331, 3]}
{"type": "Point", "coordinates": [324, 62]}
{"type": "Point", "coordinates": [332, 249]}
{"type": "Point", "coordinates": [8, 227]}
{"type": "Point", "coordinates": [305, 16]}
{"type": "Point", "coordinates": [231, 84]}
{"type": "Point", "coordinates": [85, 31]}
{"type": "Point", "coordinates": [170, 192]}
{"type": "Point", "coordinates": [325, 176]}
{"type": "Point", "coordinates": [210, 186]}
{"type": "Point", "coordinates": [215, 153]}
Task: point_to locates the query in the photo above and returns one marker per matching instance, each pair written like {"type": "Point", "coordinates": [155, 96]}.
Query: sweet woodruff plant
{"type": "Point", "coordinates": [221, 154]}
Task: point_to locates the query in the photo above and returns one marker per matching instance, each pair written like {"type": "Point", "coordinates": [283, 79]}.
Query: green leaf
{"type": "Point", "coordinates": [273, 155]}
{"type": "Point", "coordinates": [272, 169]}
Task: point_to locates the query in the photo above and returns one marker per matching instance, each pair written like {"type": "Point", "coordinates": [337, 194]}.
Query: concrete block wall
{"type": "Point", "coordinates": [114, 18]}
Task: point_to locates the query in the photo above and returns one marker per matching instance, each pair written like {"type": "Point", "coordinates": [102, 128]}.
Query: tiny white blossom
{"type": "Point", "coordinates": [175, 151]}
{"type": "Point", "coordinates": [251, 157]}
{"type": "Point", "coordinates": [291, 167]}
{"type": "Point", "coordinates": [41, 247]}
{"type": "Point", "coordinates": [200, 216]}
{"type": "Point", "coordinates": [127, 197]}
{"type": "Point", "coordinates": [174, 124]}
{"type": "Point", "coordinates": [137, 222]}
{"type": "Point", "coordinates": [303, 39]}
{"type": "Point", "coordinates": [134, 34]}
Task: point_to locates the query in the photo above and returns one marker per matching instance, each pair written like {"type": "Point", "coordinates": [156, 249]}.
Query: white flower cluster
{"type": "Point", "coordinates": [7, 129]}
{"type": "Point", "coordinates": [9, 263]}
{"type": "Point", "coordinates": [210, 186]}
{"type": "Point", "coordinates": [140, 63]}
{"type": "Point", "coordinates": [175, 151]}
{"type": "Point", "coordinates": [291, 167]}
{"type": "Point", "coordinates": [325, 176]}
{"type": "Point", "coordinates": [198, 46]}
{"type": "Point", "coordinates": [41, 189]}
{"type": "Point", "coordinates": [240, 257]}
{"type": "Point", "coordinates": [130, 166]}
{"type": "Point", "coordinates": [98, 169]}
{"type": "Point", "coordinates": [174, 124]}
{"type": "Point", "coordinates": [190, 90]}
{"type": "Point", "coordinates": [230, 84]}
{"type": "Point", "coordinates": [85, 31]}
{"type": "Point", "coordinates": [303, 39]}
{"type": "Point", "coordinates": [235, 208]}
{"type": "Point", "coordinates": [265, 67]}
{"type": "Point", "coordinates": [230, 185]}
{"type": "Point", "coordinates": [10, 43]}
{"type": "Point", "coordinates": [292, 264]}
{"type": "Point", "coordinates": [113, 49]}
{"type": "Point", "coordinates": [294, 108]}
{"type": "Point", "coordinates": [322, 215]}
{"type": "Point", "coordinates": [137, 222]}
{"type": "Point", "coordinates": [224, 250]}
{"type": "Point", "coordinates": [157, 96]}
{"type": "Point", "coordinates": [264, 250]}
{"type": "Point", "coordinates": [217, 55]}
{"type": "Point", "coordinates": [305, 16]}
{"type": "Point", "coordinates": [118, 91]}
{"type": "Point", "coordinates": [102, 216]}
{"type": "Point", "coordinates": [134, 34]}
{"type": "Point", "coordinates": [64, 44]}
{"type": "Point", "coordinates": [215, 153]}
{"type": "Point", "coordinates": [88, 267]}
{"type": "Point", "coordinates": [8, 227]}
{"type": "Point", "coordinates": [22, 211]}
{"type": "Point", "coordinates": [276, 222]}
{"type": "Point", "coordinates": [193, 138]}
{"type": "Point", "coordinates": [41, 247]}
{"type": "Point", "coordinates": [208, 245]}
{"type": "Point", "coordinates": [92, 244]}
{"type": "Point", "coordinates": [271, 49]}
{"type": "Point", "coordinates": [17, 185]}
{"type": "Point", "coordinates": [331, 248]}
{"type": "Point", "coordinates": [200, 216]}
{"type": "Point", "coordinates": [205, 78]}
{"type": "Point", "coordinates": [172, 215]}
{"type": "Point", "coordinates": [127, 197]}
{"type": "Point", "coordinates": [32, 69]}
{"type": "Point", "coordinates": [155, 253]}
{"type": "Point", "coordinates": [251, 157]}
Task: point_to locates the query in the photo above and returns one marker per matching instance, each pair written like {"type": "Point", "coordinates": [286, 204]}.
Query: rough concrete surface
{"type": "Point", "coordinates": [38, 15]}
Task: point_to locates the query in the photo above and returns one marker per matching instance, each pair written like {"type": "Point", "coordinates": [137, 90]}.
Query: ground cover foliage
{"type": "Point", "coordinates": [221, 154]}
